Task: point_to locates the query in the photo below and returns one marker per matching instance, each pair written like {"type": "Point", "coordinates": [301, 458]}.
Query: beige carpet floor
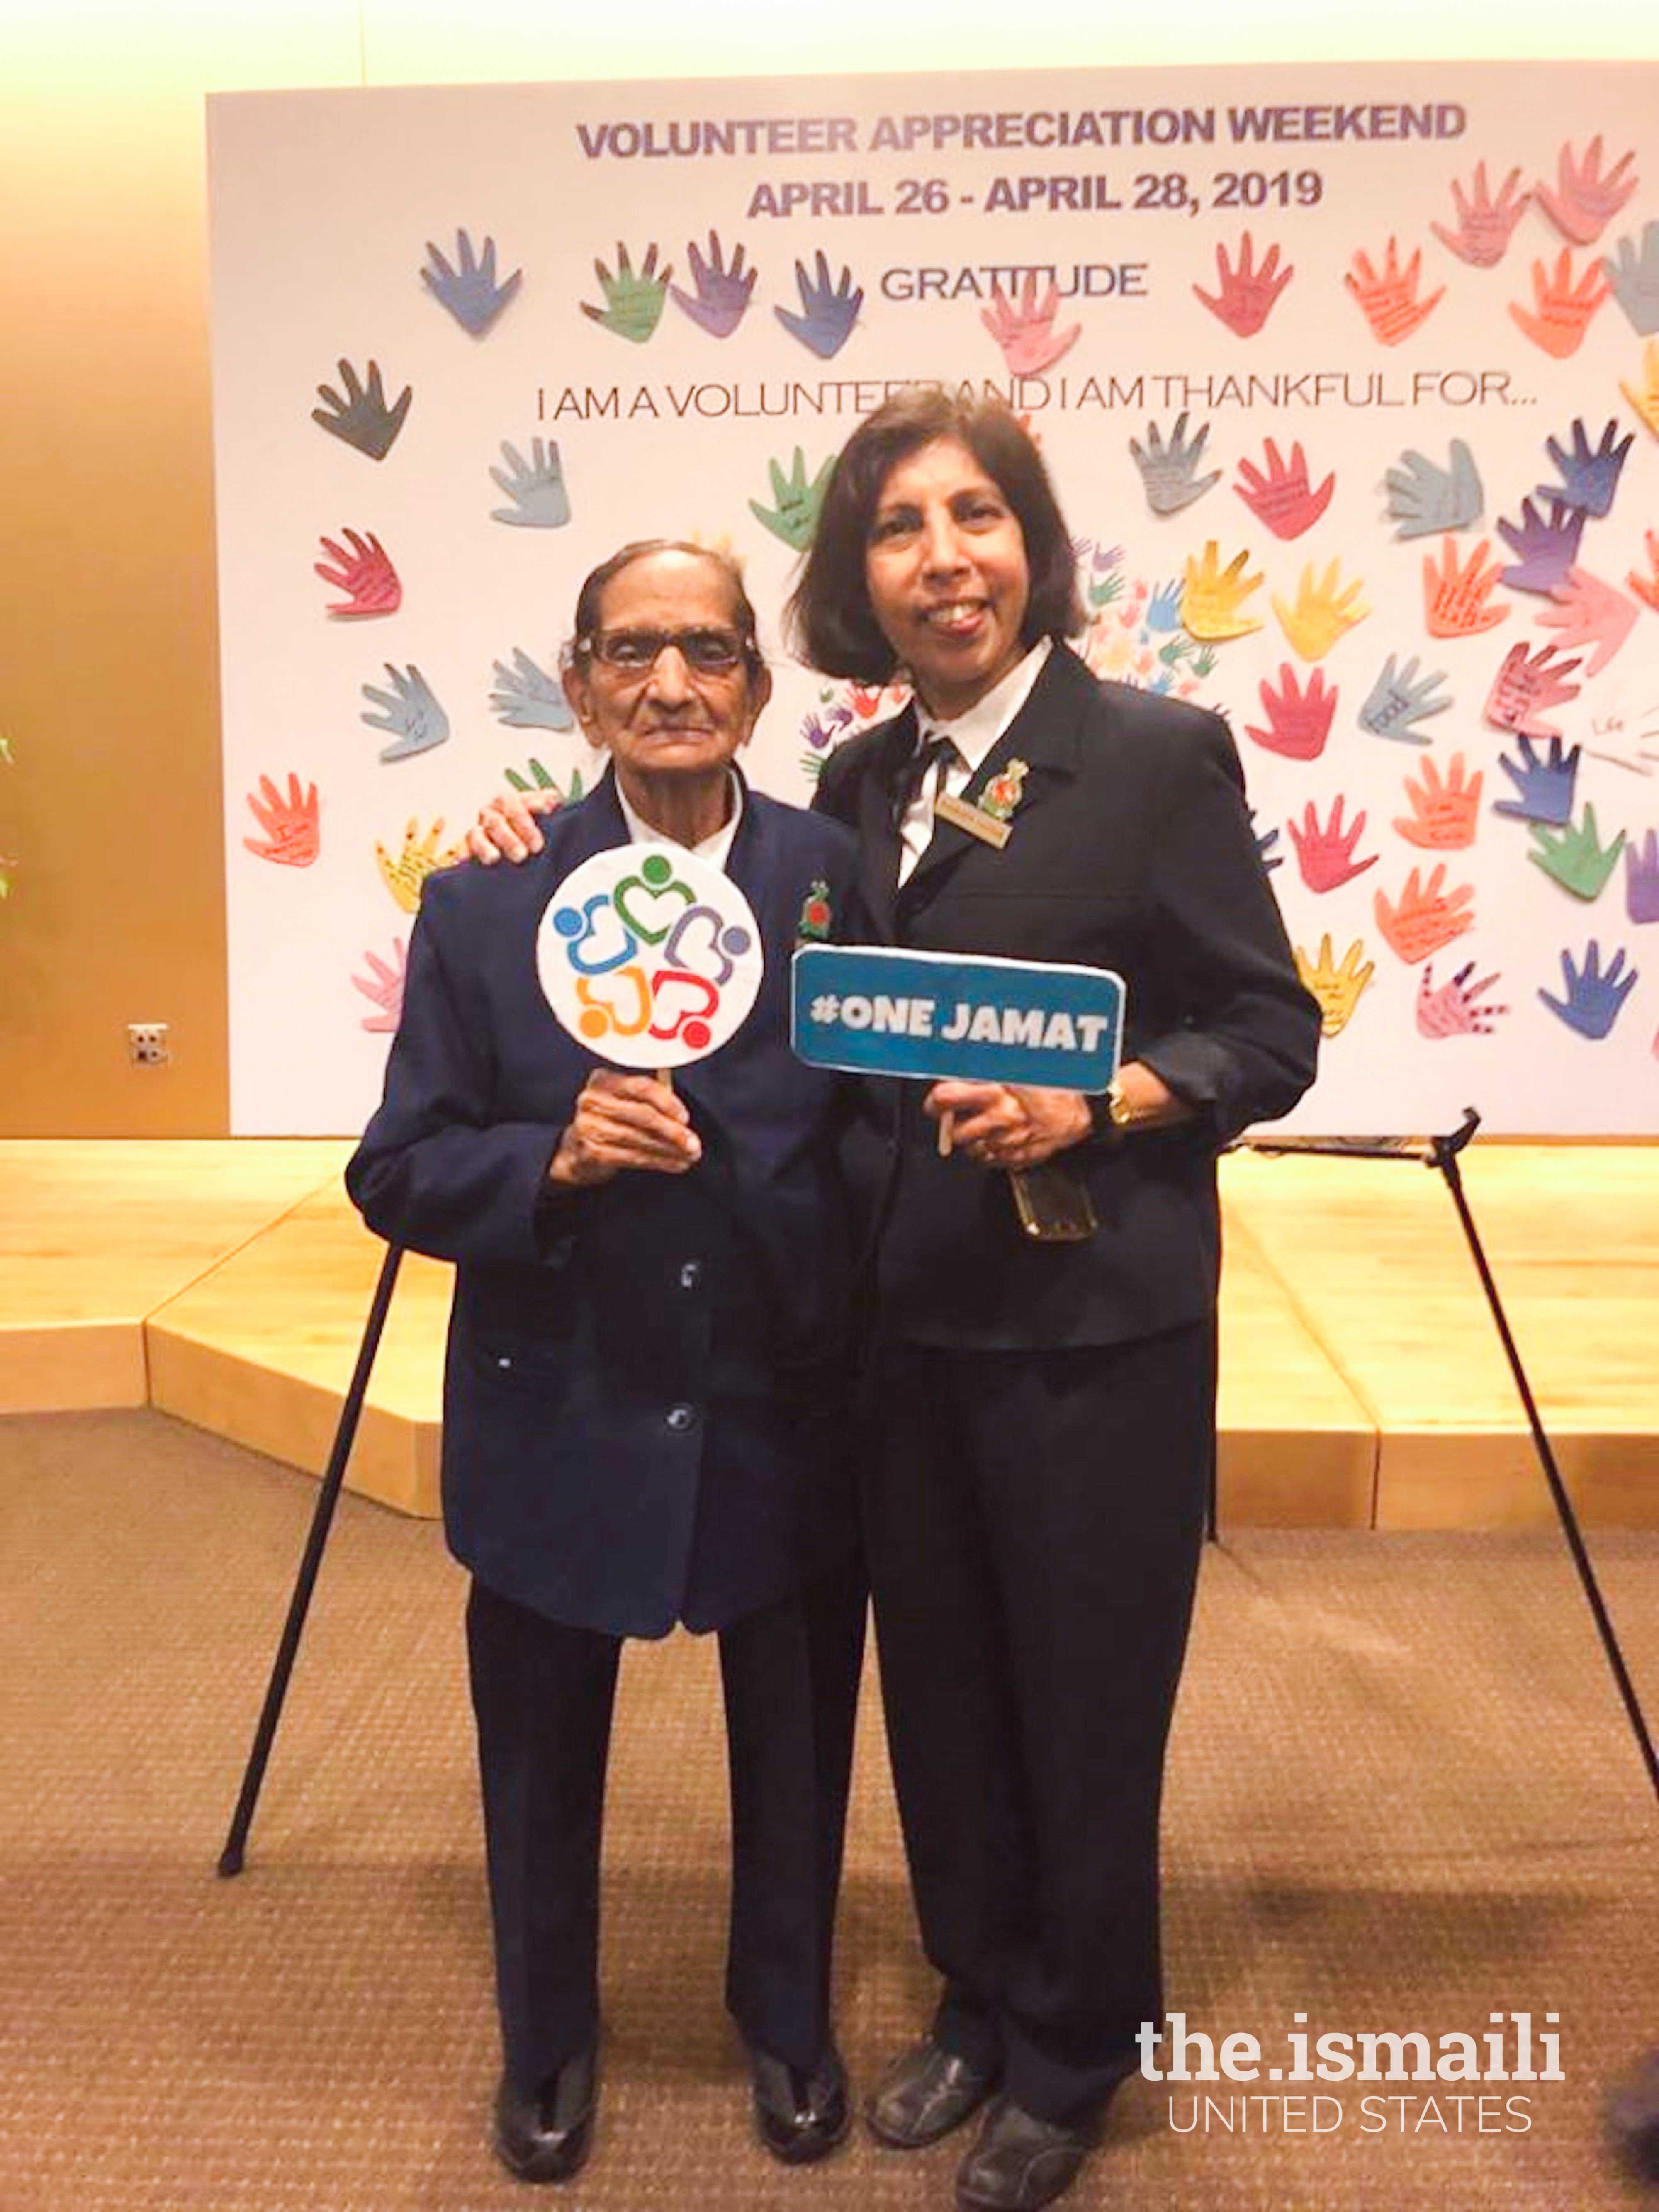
{"type": "Point", "coordinates": [1402, 1797]}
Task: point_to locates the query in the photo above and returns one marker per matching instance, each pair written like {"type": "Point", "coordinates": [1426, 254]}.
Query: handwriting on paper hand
{"type": "Point", "coordinates": [1585, 202]}
{"type": "Point", "coordinates": [1423, 499]}
{"type": "Point", "coordinates": [1455, 599]}
{"type": "Point", "coordinates": [1026, 335]}
{"type": "Point", "coordinates": [1279, 495]}
{"type": "Point", "coordinates": [1633, 273]}
{"type": "Point", "coordinates": [722, 295]}
{"type": "Point", "coordinates": [1399, 699]}
{"type": "Point", "coordinates": [1248, 295]}
{"type": "Point", "coordinates": [829, 308]}
{"type": "Point", "coordinates": [1526, 688]}
{"type": "Point", "coordinates": [469, 290]}
{"type": "Point", "coordinates": [1561, 309]}
{"type": "Point", "coordinates": [1169, 472]}
{"type": "Point", "coordinates": [1425, 915]}
{"type": "Point", "coordinates": [1337, 989]}
{"type": "Point", "coordinates": [1321, 613]}
{"type": "Point", "coordinates": [536, 487]}
{"type": "Point", "coordinates": [528, 697]}
{"type": "Point", "coordinates": [1543, 788]}
{"type": "Point", "coordinates": [383, 986]}
{"type": "Point", "coordinates": [633, 304]}
{"type": "Point", "coordinates": [404, 873]}
{"type": "Point", "coordinates": [1590, 612]}
{"type": "Point", "coordinates": [1484, 224]}
{"type": "Point", "coordinates": [1212, 606]}
{"type": "Point", "coordinates": [292, 836]}
{"type": "Point", "coordinates": [362, 569]}
{"type": "Point", "coordinates": [1573, 856]}
{"type": "Point", "coordinates": [1325, 850]}
{"type": "Point", "coordinates": [793, 514]}
{"type": "Point", "coordinates": [1444, 816]}
{"type": "Point", "coordinates": [359, 416]}
{"type": "Point", "coordinates": [410, 710]}
{"type": "Point", "coordinates": [1389, 300]}
{"type": "Point", "coordinates": [1455, 1009]}
{"type": "Point", "coordinates": [1594, 997]}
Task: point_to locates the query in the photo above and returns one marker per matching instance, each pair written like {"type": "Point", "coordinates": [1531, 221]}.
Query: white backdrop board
{"type": "Point", "coordinates": [1385, 337]}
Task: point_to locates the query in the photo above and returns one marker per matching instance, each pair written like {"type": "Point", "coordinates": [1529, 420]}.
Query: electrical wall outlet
{"type": "Point", "coordinates": [147, 1044]}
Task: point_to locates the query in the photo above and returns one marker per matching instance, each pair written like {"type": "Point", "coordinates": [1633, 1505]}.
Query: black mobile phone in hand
{"type": "Point", "coordinates": [1053, 1203]}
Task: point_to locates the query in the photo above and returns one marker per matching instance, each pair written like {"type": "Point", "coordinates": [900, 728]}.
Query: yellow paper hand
{"type": "Point", "coordinates": [1321, 614]}
{"type": "Point", "coordinates": [404, 873]}
{"type": "Point", "coordinates": [1213, 602]}
{"type": "Point", "coordinates": [1337, 989]}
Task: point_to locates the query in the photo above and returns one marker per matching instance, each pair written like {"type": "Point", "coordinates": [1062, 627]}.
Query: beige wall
{"type": "Point", "coordinates": [108, 693]}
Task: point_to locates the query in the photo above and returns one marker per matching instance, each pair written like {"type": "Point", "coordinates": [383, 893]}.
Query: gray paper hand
{"type": "Point", "coordinates": [1423, 499]}
{"type": "Point", "coordinates": [360, 417]}
{"type": "Point", "coordinates": [536, 487]}
{"type": "Point", "coordinates": [527, 697]}
{"type": "Point", "coordinates": [410, 711]}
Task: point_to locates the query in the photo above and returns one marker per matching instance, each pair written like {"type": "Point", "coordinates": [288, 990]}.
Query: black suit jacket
{"type": "Point", "coordinates": [642, 1377]}
{"type": "Point", "coordinates": [1131, 849]}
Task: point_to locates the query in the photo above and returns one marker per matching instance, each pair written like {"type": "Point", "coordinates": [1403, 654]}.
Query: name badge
{"type": "Point", "coordinates": [973, 819]}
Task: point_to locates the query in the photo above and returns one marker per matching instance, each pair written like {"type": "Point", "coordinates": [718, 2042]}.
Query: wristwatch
{"type": "Point", "coordinates": [1110, 1114]}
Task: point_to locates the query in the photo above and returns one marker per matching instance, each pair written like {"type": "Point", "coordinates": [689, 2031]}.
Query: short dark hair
{"type": "Point", "coordinates": [591, 597]}
{"type": "Point", "coordinates": [829, 622]}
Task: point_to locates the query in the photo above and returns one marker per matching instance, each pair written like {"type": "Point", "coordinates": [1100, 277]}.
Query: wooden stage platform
{"type": "Point", "coordinates": [1362, 1382]}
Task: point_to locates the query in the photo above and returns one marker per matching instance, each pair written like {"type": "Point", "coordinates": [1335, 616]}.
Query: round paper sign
{"type": "Point", "coordinates": [649, 956]}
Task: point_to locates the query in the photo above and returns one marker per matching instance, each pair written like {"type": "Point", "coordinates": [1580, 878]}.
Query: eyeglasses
{"type": "Point", "coordinates": [635, 651]}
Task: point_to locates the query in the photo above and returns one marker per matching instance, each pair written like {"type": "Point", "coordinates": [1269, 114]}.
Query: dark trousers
{"type": "Point", "coordinates": [542, 1696]}
{"type": "Point", "coordinates": [1033, 1522]}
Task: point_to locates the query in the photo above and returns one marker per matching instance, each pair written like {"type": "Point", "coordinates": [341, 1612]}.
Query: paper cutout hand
{"type": "Point", "coordinates": [1590, 612]}
{"type": "Point", "coordinates": [549, 798]}
{"type": "Point", "coordinates": [1321, 614]}
{"type": "Point", "coordinates": [1454, 1009]}
{"type": "Point", "coordinates": [1594, 1000]}
{"type": "Point", "coordinates": [1642, 878]}
{"type": "Point", "coordinates": [1162, 609]}
{"type": "Point", "coordinates": [360, 417]}
{"type": "Point", "coordinates": [1298, 722]}
{"type": "Point", "coordinates": [1526, 687]}
{"type": "Point", "coordinates": [1574, 857]}
{"type": "Point", "coordinates": [384, 988]}
{"type": "Point", "coordinates": [1325, 851]}
{"type": "Point", "coordinates": [1443, 817]}
{"type": "Point", "coordinates": [1586, 201]}
{"type": "Point", "coordinates": [364, 572]}
{"type": "Point", "coordinates": [1589, 479]}
{"type": "Point", "coordinates": [1026, 335]}
{"type": "Point", "coordinates": [536, 487]}
{"type": "Point", "coordinates": [1265, 841]}
{"type": "Point", "coordinates": [1645, 397]}
{"type": "Point", "coordinates": [1170, 472]}
{"type": "Point", "coordinates": [410, 711]}
{"type": "Point", "coordinates": [470, 291]}
{"type": "Point", "coordinates": [1399, 699]}
{"type": "Point", "coordinates": [1212, 606]}
{"type": "Point", "coordinates": [1423, 499]}
{"type": "Point", "coordinates": [722, 297]}
{"type": "Point", "coordinates": [1633, 273]}
{"type": "Point", "coordinates": [1389, 301]}
{"type": "Point", "coordinates": [1484, 224]}
{"type": "Point", "coordinates": [527, 696]}
{"type": "Point", "coordinates": [633, 304]}
{"type": "Point", "coordinates": [1455, 598]}
{"type": "Point", "coordinates": [1630, 742]}
{"type": "Point", "coordinates": [1279, 495]}
{"type": "Point", "coordinates": [1337, 989]}
{"type": "Point", "coordinates": [1544, 789]}
{"type": "Point", "coordinates": [1646, 588]}
{"type": "Point", "coordinates": [828, 310]}
{"type": "Point", "coordinates": [1425, 917]}
{"type": "Point", "coordinates": [292, 837]}
{"type": "Point", "coordinates": [1561, 310]}
{"type": "Point", "coordinates": [1545, 550]}
{"type": "Point", "coordinates": [1248, 295]}
{"type": "Point", "coordinates": [794, 515]}
{"type": "Point", "coordinates": [404, 873]}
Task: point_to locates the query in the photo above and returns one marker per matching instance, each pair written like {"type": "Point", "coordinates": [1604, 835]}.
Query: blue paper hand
{"type": "Point", "coordinates": [1545, 551]}
{"type": "Point", "coordinates": [527, 697]}
{"type": "Point", "coordinates": [1634, 277]}
{"type": "Point", "coordinates": [1265, 841]}
{"type": "Point", "coordinates": [469, 290]}
{"type": "Point", "coordinates": [536, 487]}
{"type": "Point", "coordinates": [1589, 479]}
{"type": "Point", "coordinates": [722, 297]}
{"type": "Point", "coordinates": [1593, 1000]}
{"type": "Point", "coordinates": [1544, 789]}
{"type": "Point", "coordinates": [360, 417]}
{"type": "Point", "coordinates": [410, 711]}
{"type": "Point", "coordinates": [828, 310]}
{"type": "Point", "coordinates": [1163, 610]}
{"type": "Point", "coordinates": [1399, 699]}
{"type": "Point", "coordinates": [1423, 499]}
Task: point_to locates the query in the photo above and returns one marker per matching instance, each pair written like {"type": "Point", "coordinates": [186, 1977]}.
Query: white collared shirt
{"type": "Point", "coordinates": [973, 734]}
{"type": "Point", "coordinates": [716, 850]}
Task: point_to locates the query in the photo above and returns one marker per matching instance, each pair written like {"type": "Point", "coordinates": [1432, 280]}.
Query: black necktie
{"type": "Point", "coordinates": [935, 752]}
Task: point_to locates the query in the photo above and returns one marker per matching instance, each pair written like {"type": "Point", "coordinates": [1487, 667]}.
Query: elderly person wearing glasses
{"type": "Point", "coordinates": [644, 1367]}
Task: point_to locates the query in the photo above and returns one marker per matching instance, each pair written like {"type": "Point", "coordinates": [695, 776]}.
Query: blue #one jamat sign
{"type": "Point", "coordinates": [876, 1011]}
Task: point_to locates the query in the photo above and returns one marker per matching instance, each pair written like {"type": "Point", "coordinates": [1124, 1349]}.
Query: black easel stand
{"type": "Point", "coordinates": [1442, 1152]}
{"type": "Point", "coordinates": [230, 1859]}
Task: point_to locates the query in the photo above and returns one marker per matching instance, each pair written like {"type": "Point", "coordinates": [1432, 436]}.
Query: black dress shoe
{"type": "Point", "coordinates": [801, 2116]}
{"type": "Point", "coordinates": [925, 2092]}
{"type": "Point", "coordinates": [1020, 2162]}
{"type": "Point", "coordinates": [546, 2136]}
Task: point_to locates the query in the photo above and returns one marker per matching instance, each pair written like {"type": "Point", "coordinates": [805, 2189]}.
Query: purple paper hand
{"type": "Point", "coordinates": [1454, 1009]}
{"type": "Point", "coordinates": [722, 297]}
{"type": "Point", "coordinates": [1545, 551]}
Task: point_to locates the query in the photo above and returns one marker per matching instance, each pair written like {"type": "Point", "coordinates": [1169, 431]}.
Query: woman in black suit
{"type": "Point", "coordinates": [1044, 1411]}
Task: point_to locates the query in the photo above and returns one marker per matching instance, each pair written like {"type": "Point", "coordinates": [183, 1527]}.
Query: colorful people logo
{"type": "Point", "coordinates": [652, 957]}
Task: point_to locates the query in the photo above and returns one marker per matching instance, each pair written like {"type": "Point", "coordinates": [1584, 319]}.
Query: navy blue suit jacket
{"type": "Point", "coordinates": [643, 1378]}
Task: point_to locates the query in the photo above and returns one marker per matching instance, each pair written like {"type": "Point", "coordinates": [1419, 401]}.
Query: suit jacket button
{"type": "Point", "coordinates": [681, 1419]}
